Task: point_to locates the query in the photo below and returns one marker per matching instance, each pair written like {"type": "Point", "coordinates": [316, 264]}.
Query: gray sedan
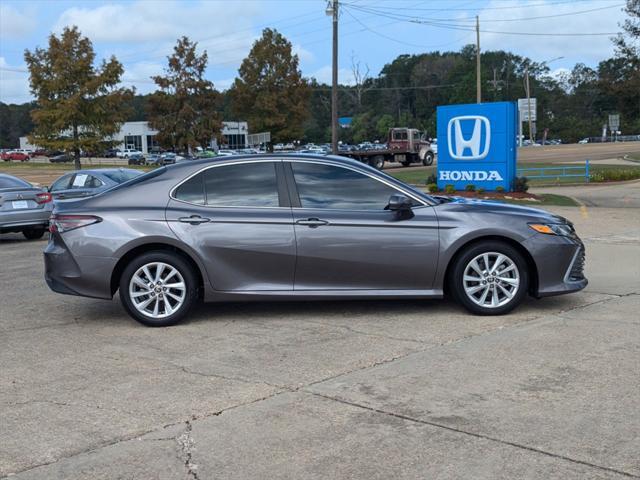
{"type": "Point", "coordinates": [23, 207]}
{"type": "Point", "coordinates": [305, 227]}
{"type": "Point", "coordinates": [85, 183]}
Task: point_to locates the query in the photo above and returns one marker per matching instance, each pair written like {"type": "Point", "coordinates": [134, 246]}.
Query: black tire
{"type": "Point", "coordinates": [456, 285]}
{"type": "Point", "coordinates": [34, 233]}
{"type": "Point", "coordinates": [406, 163]}
{"type": "Point", "coordinates": [377, 162]}
{"type": "Point", "coordinates": [428, 159]}
{"type": "Point", "coordinates": [174, 260]}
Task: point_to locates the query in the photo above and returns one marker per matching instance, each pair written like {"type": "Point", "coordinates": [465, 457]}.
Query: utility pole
{"type": "Point", "coordinates": [333, 10]}
{"type": "Point", "coordinates": [526, 73]}
{"type": "Point", "coordinates": [478, 84]}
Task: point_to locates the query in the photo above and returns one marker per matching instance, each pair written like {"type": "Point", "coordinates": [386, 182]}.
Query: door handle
{"type": "Point", "coordinates": [312, 222]}
{"type": "Point", "coordinates": [194, 219]}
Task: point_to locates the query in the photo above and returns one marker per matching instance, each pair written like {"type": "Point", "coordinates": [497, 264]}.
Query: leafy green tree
{"type": "Point", "coordinates": [186, 108]}
{"type": "Point", "coordinates": [270, 92]}
{"type": "Point", "coordinates": [79, 106]}
{"type": "Point", "coordinates": [384, 123]}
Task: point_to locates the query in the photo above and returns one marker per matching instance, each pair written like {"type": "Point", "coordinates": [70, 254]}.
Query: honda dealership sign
{"type": "Point", "coordinates": [476, 145]}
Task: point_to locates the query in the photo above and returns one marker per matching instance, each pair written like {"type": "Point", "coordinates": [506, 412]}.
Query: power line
{"type": "Point", "coordinates": [469, 28]}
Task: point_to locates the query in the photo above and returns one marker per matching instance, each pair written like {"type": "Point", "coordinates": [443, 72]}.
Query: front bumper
{"type": "Point", "coordinates": [559, 262]}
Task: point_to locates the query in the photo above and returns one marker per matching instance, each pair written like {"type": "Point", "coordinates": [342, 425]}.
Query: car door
{"type": "Point", "coordinates": [237, 218]}
{"type": "Point", "coordinates": [347, 240]}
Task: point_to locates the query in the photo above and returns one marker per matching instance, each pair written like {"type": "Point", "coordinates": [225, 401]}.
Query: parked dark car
{"type": "Point", "coordinates": [303, 228]}
{"type": "Point", "coordinates": [61, 158]}
{"type": "Point", "coordinates": [136, 159]}
{"type": "Point", "coordinates": [23, 207]}
{"type": "Point", "coordinates": [85, 183]}
{"type": "Point", "coordinates": [111, 153]}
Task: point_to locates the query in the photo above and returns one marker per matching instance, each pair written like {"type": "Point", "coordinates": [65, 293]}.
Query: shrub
{"type": "Point", "coordinates": [615, 175]}
{"type": "Point", "coordinates": [480, 191]}
{"type": "Point", "coordinates": [450, 189]}
{"type": "Point", "coordinates": [432, 179]}
{"type": "Point", "coordinates": [433, 187]}
{"type": "Point", "coordinates": [500, 189]}
{"type": "Point", "coordinates": [521, 184]}
{"type": "Point", "coordinates": [470, 188]}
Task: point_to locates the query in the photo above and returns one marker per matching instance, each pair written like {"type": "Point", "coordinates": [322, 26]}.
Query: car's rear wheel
{"type": "Point", "coordinates": [489, 278]}
{"type": "Point", "coordinates": [158, 288]}
{"type": "Point", "coordinates": [33, 233]}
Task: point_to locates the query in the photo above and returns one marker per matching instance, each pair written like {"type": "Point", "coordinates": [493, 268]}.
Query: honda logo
{"type": "Point", "coordinates": [469, 148]}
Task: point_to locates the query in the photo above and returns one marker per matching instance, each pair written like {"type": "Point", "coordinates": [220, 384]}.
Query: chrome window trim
{"type": "Point", "coordinates": [231, 161]}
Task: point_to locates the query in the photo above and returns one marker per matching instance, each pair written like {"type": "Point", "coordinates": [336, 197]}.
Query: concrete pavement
{"type": "Point", "coordinates": [404, 389]}
{"type": "Point", "coordinates": [609, 195]}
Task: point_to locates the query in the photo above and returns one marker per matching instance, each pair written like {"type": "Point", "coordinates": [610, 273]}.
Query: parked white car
{"type": "Point", "coordinates": [127, 152]}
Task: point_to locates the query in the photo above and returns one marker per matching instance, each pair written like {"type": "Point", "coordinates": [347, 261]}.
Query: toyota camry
{"type": "Point", "coordinates": [301, 227]}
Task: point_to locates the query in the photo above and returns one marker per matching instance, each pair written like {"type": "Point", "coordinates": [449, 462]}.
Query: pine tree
{"type": "Point", "coordinates": [270, 92]}
{"type": "Point", "coordinates": [186, 109]}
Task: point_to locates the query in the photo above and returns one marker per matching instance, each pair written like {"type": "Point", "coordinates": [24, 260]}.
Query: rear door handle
{"type": "Point", "coordinates": [194, 219]}
{"type": "Point", "coordinates": [312, 222]}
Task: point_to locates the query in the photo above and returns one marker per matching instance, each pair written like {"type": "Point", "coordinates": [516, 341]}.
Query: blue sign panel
{"type": "Point", "coordinates": [477, 145]}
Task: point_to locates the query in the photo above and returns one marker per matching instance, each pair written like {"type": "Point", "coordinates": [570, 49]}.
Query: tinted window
{"type": "Point", "coordinates": [192, 190]}
{"type": "Point", "coordinates": [62, 183]}
{"type": "Point", "coordinates": [12, 182]}
{"type": "Point", "coordinates": [83, 180]}
{"type": "Point", "coordinates": [327, 186]}
{"type": "Point", "coordinates": [121, 176]}
{"type": "Point", "coordinates": [242, 185]}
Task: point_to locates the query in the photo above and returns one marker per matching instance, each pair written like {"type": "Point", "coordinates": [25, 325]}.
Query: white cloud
{"type": "Point", "coordinates": [323, 75]}
{"type": "Point", "coordinates": [587, 48]}
{"type": "Point", "coordinates": [14, 23]}
{"type": "Point", "coordinates": [139, 75]}
{"type": "Point", "coordinates": [14, 83]}
{"type": "Point", "coordinates": [303, 54]}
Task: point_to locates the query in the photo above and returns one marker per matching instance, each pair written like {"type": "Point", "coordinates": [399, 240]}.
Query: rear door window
{"type": "Point", "coordinates": [238, 185]}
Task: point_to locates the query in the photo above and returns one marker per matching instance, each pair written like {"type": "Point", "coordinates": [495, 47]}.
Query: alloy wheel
{"type": "Point", "coordinates": [491, 280]}
{"type": "Point", "coordinates": [157, 290]}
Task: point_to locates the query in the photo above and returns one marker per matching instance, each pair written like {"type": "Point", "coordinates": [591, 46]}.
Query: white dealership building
{"type": "Point", "coordinates": [140, 136]}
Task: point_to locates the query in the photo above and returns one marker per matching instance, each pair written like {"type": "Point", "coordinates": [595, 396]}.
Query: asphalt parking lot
{"type": "Point", "coordinates": [371, 390]}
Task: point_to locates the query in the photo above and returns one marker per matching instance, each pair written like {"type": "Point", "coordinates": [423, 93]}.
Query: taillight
{"type": "Point", "coordinates": [44, 197]}
{"type": "Point", "coordinates": [64, 223]}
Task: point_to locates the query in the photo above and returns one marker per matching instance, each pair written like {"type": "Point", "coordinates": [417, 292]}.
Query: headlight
{"type": "Point", "coordinates": [561, 229]}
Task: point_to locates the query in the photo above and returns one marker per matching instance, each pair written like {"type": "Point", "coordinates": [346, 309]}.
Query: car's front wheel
{"type": "Point", "coordinates": [489, 278]}
{"type": "Point", "coordinates": [158, 288]}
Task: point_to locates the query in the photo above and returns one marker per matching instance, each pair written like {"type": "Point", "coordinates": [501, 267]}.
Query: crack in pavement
{"type": "Point", "coordinates": [538, 320]}
{"type": "Point", "coordinates": [472, 434]}
{"type": "Point", "coordinates": [187, 446]}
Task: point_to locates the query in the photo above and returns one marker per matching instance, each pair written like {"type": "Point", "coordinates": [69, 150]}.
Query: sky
{"type": "Point", "coordinates": [141, 33]}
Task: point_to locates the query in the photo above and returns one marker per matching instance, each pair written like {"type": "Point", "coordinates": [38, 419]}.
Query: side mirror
{"type": "Point", "coordinates": [399, 203]}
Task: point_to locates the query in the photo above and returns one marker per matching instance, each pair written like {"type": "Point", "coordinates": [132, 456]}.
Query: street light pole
{"type": "Point", "coordinates": [333, 10]}
{"type": "Point", "coordinates": [478, 83]}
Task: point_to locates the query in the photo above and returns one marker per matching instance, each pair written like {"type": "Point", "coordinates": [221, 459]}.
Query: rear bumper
{"type": "Point", "coordinates": [84, 276]}
{"type": "Point", "coordinates": [17, 221]}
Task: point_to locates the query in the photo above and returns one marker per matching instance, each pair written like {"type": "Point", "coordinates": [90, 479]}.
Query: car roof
{"type": "Point", "coordinates": [290, 156]}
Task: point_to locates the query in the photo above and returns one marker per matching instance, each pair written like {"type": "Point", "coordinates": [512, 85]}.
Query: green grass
{"type": "Point", "coordinates": [413, 176]}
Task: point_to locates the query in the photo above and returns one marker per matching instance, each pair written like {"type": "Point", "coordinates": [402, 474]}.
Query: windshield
{"type": "Point", "coordinates": [139, 178]}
